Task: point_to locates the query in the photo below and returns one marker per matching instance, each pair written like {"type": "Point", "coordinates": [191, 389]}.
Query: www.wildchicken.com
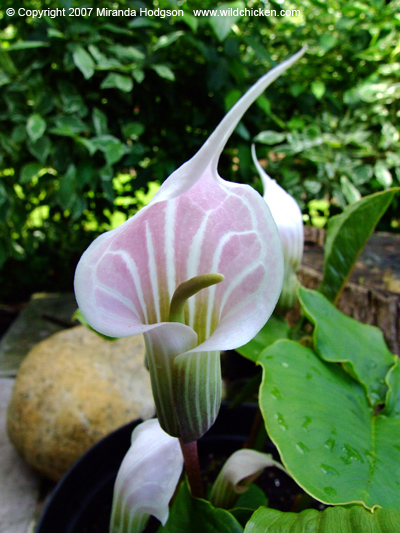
{"type": "Point", "coordinates": [144, 12]}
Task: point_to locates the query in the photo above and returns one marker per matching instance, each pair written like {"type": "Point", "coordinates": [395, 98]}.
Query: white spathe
{"type": "Point", "coordinates": [196, 224]}
{"type": "Point", "coordinates": [147, 478]}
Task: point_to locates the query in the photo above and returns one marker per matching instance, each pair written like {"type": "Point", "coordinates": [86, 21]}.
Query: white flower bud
{"type": "Point", "coordinates": [242, 468]}
{"type": "Point", "coordinates": [147, 478]}
{"type": "Point", "coordinates": [288, 218]}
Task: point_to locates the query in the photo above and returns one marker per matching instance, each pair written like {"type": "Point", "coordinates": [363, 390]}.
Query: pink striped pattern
{"type": "Point", "coordinates": [126, 279]}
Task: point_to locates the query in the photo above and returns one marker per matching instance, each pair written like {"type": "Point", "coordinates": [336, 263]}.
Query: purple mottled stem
{"type": "Point", "coordinates": [192, 468]}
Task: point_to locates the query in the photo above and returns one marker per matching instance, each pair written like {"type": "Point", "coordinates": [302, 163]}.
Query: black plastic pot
{"type": "Point", "coordinates": [81, 502]}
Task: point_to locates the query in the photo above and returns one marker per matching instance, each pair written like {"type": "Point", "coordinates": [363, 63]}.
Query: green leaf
{"type": "Point", "coordinates": [270, 137]}
{"type": "Point", "coordinates": [68, 126]}
{"type": "Point", "coordinates": [318, 89]}
{"type": "Point", "coordinates": [231, 98]}
{"type": "Point", "coordinates": [353, 519]}
{"type": "Point", "coordinates": [35, 127]}
{"type": "Point", "coordinates": [142, 22]}
{"type": "Point", "coordinates": [78, 207]}
{"type": "Point", "coordinates": [326, 42]}
{"type": "Point", "coordinates": [392, 407]}
{"type": "Point", "coordinates": [72, 100]}
{"type": "Point", "coordinates": [99, 121]}
{"type": "Point", "coordinates": [82, 320]}
{"type": "Point", "coordinates": [222, 24]}
{"type": "Point", "coordinates": [104, 62]}
{"type": "Point", "coordinates": [114, 154]}
{"type": "Point", "coordinates": [252, 498]}
{"type": "Point", "coordinates": [346, 237]}
{"type": "Point", "coordinates": [264, 104]}
{"type": "Point", "coordinates": [248, 502]}
{"type": "Point", "coordinates": [41, 148]}
{"type": "Point", "coordinates": [55, 34]}
{"type": "Point", "coordinates": [133, 130]}
{"type": "Point", "coordinates": [383, 174]}
{"type": "Point", "coordinates": [67, 188]}
{"type": "Point", "coordinates": [29, 171]}
{"type": "Point", "coordinates": [87, 143]}
{"type": "Point", "coordinates": [84, 62]}
{"type": "Point", "coordinates": [198, 516]}
{"type": "Point", "coordinates": [130, 53]}
{"type": "Point", "coordinates": [4, 78]}
{"type": "Point", "coordinates": [105, 142]}
{"type": "Point", "coordinates": [167, 40]}
{"type": "Point", "coordinates": [164, 72]}
{"type": "Point", "coordinates": [351, 193]}
{"type": "Point", "coordinates": [112, 147]}
{"type": "Point", "coordinates": [339, 338]}
{"type": "Point", "coordinates": [390, 135]}
{"type": "Point", "coordinates": [362, 174]}
{"type": "Point", "coordinates": [276, 328]}
{"type": "Point", "coordinates": [138, 75]}
{"type": "Point", "coordinates": [117, 81]}
{"type": "Point", "coordinates": [18, 134]}
{"type": "Point", "coordinates": [330, 440]}
{"type": "Point", "coordinates": [25, 45]}
{"type": "Point", "coordinates": [296, 89]}
{"type": "Point", "coordinates": [116, 29]}
{"type": "Point", "coordinates": [191, 21]}
{"type": "Point", "coordinates": [6, 63]}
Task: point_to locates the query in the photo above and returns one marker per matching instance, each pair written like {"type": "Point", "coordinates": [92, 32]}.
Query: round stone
{"type": "Point", "coordinates": [71, 390]}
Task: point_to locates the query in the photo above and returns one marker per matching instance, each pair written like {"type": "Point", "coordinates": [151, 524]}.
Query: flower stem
{"type": "Point", "coordinates": [192, 467]}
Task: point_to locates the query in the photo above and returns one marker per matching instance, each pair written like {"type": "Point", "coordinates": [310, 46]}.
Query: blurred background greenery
{"type": "Point", "coordinates": [96, 111]}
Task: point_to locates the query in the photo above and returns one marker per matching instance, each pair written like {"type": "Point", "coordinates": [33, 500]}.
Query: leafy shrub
{"type": "Point", "coordinates": [97, 108]}
{"type": "Point", "coordinates": [342, 142]}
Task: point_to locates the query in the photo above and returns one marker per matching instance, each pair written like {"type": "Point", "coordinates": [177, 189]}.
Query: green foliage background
{"type": "Point", "coordinates": [97, 110]}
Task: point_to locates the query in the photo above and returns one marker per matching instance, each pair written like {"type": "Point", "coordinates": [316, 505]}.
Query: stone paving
{"type": "Point", "coordinates": [44, 315]}
{"type": "Point", "coordinates": [20, 487]}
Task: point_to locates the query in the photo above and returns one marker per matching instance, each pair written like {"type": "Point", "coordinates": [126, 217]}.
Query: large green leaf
{"type": "Point", "coordinates": [353, 519]}
{"type": "Point", "coordinates": [248, 502]}
{"type": "Point", "coordinates": [276, 328]}
{"type": "Point", "coordinates": [198, 516]}
{"type": "Point", "coordinates": [341, 339]}
{"type": "Point", "coordinates": [333, 443]}
{"type": "Point", "coordinates": [346, 237]}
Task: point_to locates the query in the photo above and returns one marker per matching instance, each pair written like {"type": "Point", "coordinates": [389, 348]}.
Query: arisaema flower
{"type": "Point", "coordinates": [147, 479]}
{"type": "Point", "coordinates": [197, 226]}
{"type": "Point", "coordinates": [288, 218]}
